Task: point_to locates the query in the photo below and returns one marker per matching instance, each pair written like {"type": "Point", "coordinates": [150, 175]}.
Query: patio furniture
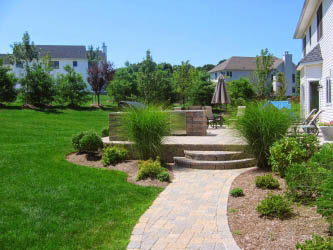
{"type": "Point", "coordinates": [311, 127]}
{"type": "Point", "coordinates": [308, 118]}
{"type": "Point", "coordinates": [213, 120]}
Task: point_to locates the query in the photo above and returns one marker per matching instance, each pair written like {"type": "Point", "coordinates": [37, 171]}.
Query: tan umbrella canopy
{"type": "Point", "coordinates": [221, 95]}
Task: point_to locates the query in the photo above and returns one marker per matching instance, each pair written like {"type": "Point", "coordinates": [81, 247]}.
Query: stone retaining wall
{"type": "Point", "coordinates": [168, 151]}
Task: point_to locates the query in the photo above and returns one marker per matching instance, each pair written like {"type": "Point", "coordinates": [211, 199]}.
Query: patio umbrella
{"type": "Point", "coordinates": [221, 95]}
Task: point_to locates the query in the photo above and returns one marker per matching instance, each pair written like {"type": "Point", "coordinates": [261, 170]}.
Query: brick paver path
{"type": "Point", "coordinates": [191, 213]}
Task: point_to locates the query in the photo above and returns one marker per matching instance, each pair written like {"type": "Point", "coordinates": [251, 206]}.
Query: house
{"type": "Point", "coordinates": [315, 28]}
{"type": "Point", "coordinates": [60, 55]}
{"type": "Point", "coordinates": [236, 67]}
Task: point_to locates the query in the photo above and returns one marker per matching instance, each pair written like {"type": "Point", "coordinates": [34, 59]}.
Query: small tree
{"type": "Point", "coordinates": [99, 75]}
{"type": "Point", "coordinates": [282, 86]}
{"type": "Point", "coordinates": [264, 64]}
{"type": "Point", "coordinates": [25, 52]}
{"type": "Point", "coordinates": [71, 88]}
{"type": "Point", "coordinates": [38, 85]}
{"type": "Point", "coordinates": [8, 92]}
{"type": "Point", "coordinates": [182, 80]}
{"type": "Point", "coordinates": [241, 89]}
{"type": "Point", "coordinates": [202, 89]}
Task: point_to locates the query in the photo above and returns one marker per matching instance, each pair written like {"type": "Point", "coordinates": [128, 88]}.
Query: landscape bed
{"type": "Point", "coordinates": [130, 167]}
{"type": "Point", "coordinates": [254, 232]}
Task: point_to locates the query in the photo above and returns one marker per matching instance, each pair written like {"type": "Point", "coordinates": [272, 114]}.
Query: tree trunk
{"type": "Point", "coordinates": [97, 99]}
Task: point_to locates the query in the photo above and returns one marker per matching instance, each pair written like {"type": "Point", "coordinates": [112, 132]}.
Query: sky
{"type": "Point", "coordinates": [201, 31]}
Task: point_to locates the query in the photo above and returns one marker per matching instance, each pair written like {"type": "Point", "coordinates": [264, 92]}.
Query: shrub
{"type": "Point", "coordinates": [324, 157]}
{"type": "Point", "coordinates": [146, 127]}
{"type": "Point", "coordinates": [152, 169]}
{"type": "Point", "coordinates": [303, 181]}
{"type": "Point", "coordinates": [275, 206]}
{"type": "Point", "coordinates": [316, 243]}
{"type": "Point", "coordinates": [71, 88]}
{"type": "Point", "coordinates": [325, 201]}
{"type": "Point", "coordinates": [113, 155]}
{"type": "Point", "coordinates": [267, 181]}
{"type": "Point", "coordinates": [105, 132]}
{"type": "Point", "coordinates": [261, 126]}
{"type": "Point", "coordinates": [237, 192]}
{"type": "Point", "coordinates": [87, 142]}
{"type": "Point", "coordinates": [8, 92]}
{"type": "Point", "coordinates": [284, 153]}
{"type": "Point", "coordinates": [310, 143]}
{"type": "Point", "coordinates": [164, 176]}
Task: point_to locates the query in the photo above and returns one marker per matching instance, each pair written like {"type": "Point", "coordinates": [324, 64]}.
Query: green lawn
{"type": "Point", "coordinates": [48, 203]}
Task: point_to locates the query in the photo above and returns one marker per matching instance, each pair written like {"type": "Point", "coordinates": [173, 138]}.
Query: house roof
{"type": "Point", "coordinates": [313, 56]}
{"type": "Point", "coordinates": [309, 7]}
{"type": "Point", "coordinates": [241, 63]}
{"type": "Point", "coordinates": [63, 51]}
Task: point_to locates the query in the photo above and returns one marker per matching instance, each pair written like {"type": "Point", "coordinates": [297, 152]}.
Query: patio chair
{"type": "Point", "coordinates": [298, 122]}
{"type": "Point", "coordinates": [212, 119]}
{"type": "Point", "coordinates": [308, 118]}
{"type": "Point", "coordinates": [311, 127]}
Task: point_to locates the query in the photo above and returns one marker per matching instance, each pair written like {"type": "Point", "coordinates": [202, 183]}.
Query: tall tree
{"type": "Point", "coordinates": [8, 92]}
{"type": "Point", "coordinates": [99, 76]}
{"type": "Point", "coordinates": [264, 64]}
{"type": "Point", "coordinates": [93, 55]}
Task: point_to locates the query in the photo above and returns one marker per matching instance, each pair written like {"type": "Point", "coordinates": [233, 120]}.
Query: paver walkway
{"type": "Point", "coordinates": [191, 213]}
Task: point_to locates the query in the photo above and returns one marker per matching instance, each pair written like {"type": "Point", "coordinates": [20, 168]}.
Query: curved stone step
{"type": "Point", "coordinates": [214, 155]}
{"type": "Point", "coordinates": [231, 164]}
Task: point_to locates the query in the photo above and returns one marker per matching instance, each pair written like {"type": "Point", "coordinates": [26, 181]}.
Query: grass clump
{"type": "Point", "coordinates": [316, 243]}
{"type": "Point", "coordinates": [261, 126]}
{"type": "Point", "coordinates": [152, 169]}
{"type": "Point", "coordinates": [267, 182]}
{"type": "Point", "coordinates": [146, 127]}
{"type": "Point", "coordinates": [274, 206]}
{"type": "Point", "coordinates": [113, 155]}
{"type": "Point", "coordinates": [237, 192]}
{"type": "Point", "coordinates": [87, 142]}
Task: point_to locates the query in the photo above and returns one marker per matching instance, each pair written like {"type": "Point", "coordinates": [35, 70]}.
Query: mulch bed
{"type": "Point", "coordinates": [129, 167]}
{"type": "Point", "coordinates": [254, 232]}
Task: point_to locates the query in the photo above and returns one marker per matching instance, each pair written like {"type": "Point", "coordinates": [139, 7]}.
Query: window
{"type": "Point", "coordinates": [74, 63]}
{"type": "Point", "coordinates": [215, 76]}
{"type": "Point", "coordinates": [310, 34]}
{"type": "Point", "coordinates": [328, 91]}
{"type": "Point", "coordinates": [19, 65]}
{"type": "Point", "coordinates": [229, 73]}
{"type": "Point", "coordinates": [294, 90]}
{"type": "Point", "coordinates": [55, 64]}
{"type": "Point", "coordinates": [320, 22]}
{"type": "Point", "coordinates": [294, 78]}
{"type": "Point", "coordinates": [304, 46]}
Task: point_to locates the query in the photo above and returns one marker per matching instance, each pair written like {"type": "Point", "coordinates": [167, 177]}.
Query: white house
{"type": "Point", "coordinates": [315, 28]}
{"type": "Point", "coordinates": [236, 67]}
{"type": "Point", "coordinates": [61, 55]}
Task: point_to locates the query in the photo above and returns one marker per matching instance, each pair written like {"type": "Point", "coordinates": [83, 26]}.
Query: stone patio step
{"type": "Point", "coordinates": [214, 155]}
{"type": "Point", "coordinates": [231, 164]}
